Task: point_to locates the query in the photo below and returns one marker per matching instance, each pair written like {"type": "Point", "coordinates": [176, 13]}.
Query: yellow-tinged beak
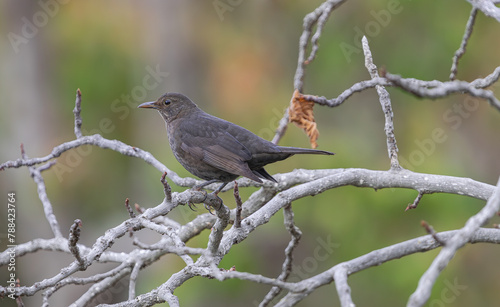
{"type": "Point", "coordinates": [148, 105]}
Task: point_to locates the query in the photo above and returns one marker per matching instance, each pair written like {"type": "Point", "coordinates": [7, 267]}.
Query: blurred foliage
{"type": "Point", "coordinates": [241, 68]}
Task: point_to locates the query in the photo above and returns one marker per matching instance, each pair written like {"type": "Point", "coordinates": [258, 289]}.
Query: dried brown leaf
{"type": "Point", "coordinates": [301, 114]}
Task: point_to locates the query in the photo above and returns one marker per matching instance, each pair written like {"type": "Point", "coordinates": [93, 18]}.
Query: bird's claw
{"type": "Point", "coordinates": [209, 209]}
{"type": "Point", "coordinates": [191, 205]}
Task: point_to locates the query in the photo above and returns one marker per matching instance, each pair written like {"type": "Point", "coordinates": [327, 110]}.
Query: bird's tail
{"type": "Point", "coordinates": [298, 151]}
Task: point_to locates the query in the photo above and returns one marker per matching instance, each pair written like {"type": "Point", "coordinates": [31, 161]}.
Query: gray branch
{"type": "Point", "coordinates": [76, 112]}
{"type": "Point", "coordinates": [36, 174]}
{"type": "Point", "coordinates": [385, 102]}
{"type": "Point", "coordinates": [436, 89]}
{"type": "Point", "coordinates": [461, 50]}
{"type": "Point", "coordinates": [459, 239]}
{"type": "Point", "coordinates": [286, 268]}
{"type": "Point", "coordinates": [316, 18]}
{"type": "Point", "coordinates": [487, 7]}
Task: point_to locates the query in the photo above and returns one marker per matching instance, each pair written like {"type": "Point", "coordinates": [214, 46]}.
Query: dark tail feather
{"type": "Point", "coordinates": [263, 174]}
{"type": "Point", "coordinates": [298, 151]}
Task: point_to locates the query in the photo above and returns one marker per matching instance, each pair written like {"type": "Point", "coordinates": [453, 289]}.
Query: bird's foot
{"type": "Point", "coordinates": [191, 206]}
{"type": "Point", "coordinates": [209, 207]}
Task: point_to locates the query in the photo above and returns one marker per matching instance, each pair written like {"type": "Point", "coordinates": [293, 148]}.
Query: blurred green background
{"type": "Point", "coordinates": [239, 65]}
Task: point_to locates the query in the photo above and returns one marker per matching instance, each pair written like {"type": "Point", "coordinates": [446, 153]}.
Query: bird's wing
{"type": "Point", "coordinates": [219, 149]}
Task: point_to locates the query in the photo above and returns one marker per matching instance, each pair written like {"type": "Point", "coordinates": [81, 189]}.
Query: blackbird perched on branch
{"type": "Point", "coordinates": [214, 149]}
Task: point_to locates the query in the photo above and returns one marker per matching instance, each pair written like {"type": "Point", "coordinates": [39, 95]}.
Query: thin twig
{"type": "Point", "coordinates": [100, 141]}
{"type": "Point", "coordinates": [416, 201]}
{"type": "Point", "coordinates": [282, 126]}
{"type": "Point", "coordinates": [430, 230]}
{"type": "Point", "coordinates": [463, 46]}
{"type": "Point", "coordinates": [167, 190]}
{"type": "Point", "coordinates": [104, 285]}
{"type": "Point", "coordinates": [74, 236]}
{"type": "Point", "coordinates": [35, 173]}
{"type": "Point", "coordinates": [286, 268]}
{"type": "Point", "coordinates": [138, 208]}
{"type": "Point", "coordinates": [76, 112]}
{"type": "Point", "coordinates": [239, 204]}
{"type": "Point", "coordinates": [419, 89]}
{"type": "Point", "coordinates": [316, 18]}
{"type": "Point", "coordinates": [129, 209]}
{"type": "Point", "coordinates": [355, 88]}
{"type": "Point", "coordinates": [123, 267]}
{"type": "Point", "coordinates": [385, 102]}
{"type": "Point", "coordinates": [133, 279]}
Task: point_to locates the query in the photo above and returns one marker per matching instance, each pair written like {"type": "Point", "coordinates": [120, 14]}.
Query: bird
{"type": "Point", "coordinates": [214, 149]}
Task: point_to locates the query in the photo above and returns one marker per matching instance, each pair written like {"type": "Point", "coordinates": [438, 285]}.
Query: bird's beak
{"type": "Point", "coordinates": [148, 105]}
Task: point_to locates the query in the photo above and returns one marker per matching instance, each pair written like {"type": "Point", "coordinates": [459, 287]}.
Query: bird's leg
{"type": "Point", "coordinates": [200, 186]}
{"type": "Point", "coordinates": [216, 192]}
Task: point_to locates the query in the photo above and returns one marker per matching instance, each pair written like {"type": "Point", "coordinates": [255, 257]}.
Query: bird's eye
{"type": "Point", "coordinates": [167, 102]}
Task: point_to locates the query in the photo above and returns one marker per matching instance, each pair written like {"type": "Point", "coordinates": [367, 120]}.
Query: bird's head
{"type": "Point", "coordinates": [171, 106]}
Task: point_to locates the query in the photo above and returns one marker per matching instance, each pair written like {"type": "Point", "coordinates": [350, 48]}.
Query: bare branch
{"type": "Point", "coordinates": [355, 88]}
{"type": "Point", "coordinates": [133, 279]}
{"type": "Point", "coordinates": [76, 111]}
{"type": "Point", "coordinates": [167, 190]}
{"type": "Point", "coordinates": [430, 90]}
{"type": "Point", "coordinates": [122, 268]}
{"type": "Point", "coordinates": [74, 236]}
{"type": "Point", "coordinates": [385, 102]}
{"type": "Point", "coordinates": [42, 194]}
{"type": "Point", "coordinates": [487, 7]}
{"type": "Point", "coordinates": [316, 18]}
{"type": "Point", "coordinates": [103, 285]}
{"type": "Point", "coordinates": [99, 141]}
{"type": "Point", "coordinates": [282, 126]}
{"type": "Point", "coordinates": [377, 257]}
{"type": "Point", "coordinates": [459, 239]}
{"type": "Point", "coordinates": [215, 237]}
{"type": "Point", "coordinates": [430, 230]}
{"type": "Point", "coordinates": [416, 201]}
{"type": "Point", "coordinates": [286, 268]}
{"type": "Point", "coordinates": [239, 204]}
{"type": "Point", "coordinates": [343, 289]}
{"type": "Point", "coordinates": [488, 80]}
{"type": "Point", "coordinates": [129, 209]}
{"type": "Point", "coordinates": [461, 50]}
